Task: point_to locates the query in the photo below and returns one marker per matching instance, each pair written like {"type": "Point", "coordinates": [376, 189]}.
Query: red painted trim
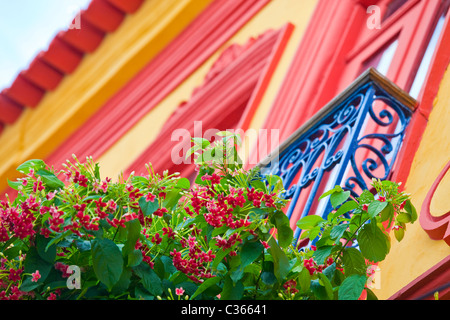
{"type": "Point", "coordinates": [430, 89]}
{"type": "Point", "coordinates": [233, 92]}
{"type": "Point", "coordinates": [128, 6]}
{"type": "Point", "coordinates": [438, 228]}
{"type": "Point", "coordinates": [318, 51]}
{"type": "Point", "coordinates": [62, 56]}
{"type": "Point", "coordinates": [24, 92]}
{"type": "Point", "coordinates": [85, 39]}
{"type": "Point", "coordinates": [9, 110]}
{"type": "Point", "coordinates": [42, 74]}
{"type": "Point", "coordinates": [203, 37]}
{"type": "Point", "coordinates": [424, 286]}
{"type": "Point", "coordinates": [264, 80]}
{"type": "Point", "coordinates": [103, 15]}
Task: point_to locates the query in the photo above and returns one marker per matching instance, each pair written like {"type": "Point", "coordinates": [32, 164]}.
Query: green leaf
{"type": "Point", "coordinates": [319, 290]}
{"type": "Point", "coordinates": [33, 262]}
{"type": "Point", "coordinates": [285, 234]}
{"type": "Point", "coordinates": [352, 287]}
{"type": "Point", "coordinates": [403, 217]}
{"type": "Point", "coordinates": [14, 184]}
{"type": "Point", "coordinates": [372, 242]}
{"type": "Point", "coordinates": [231, 290]}
{"type": "Point", "coordinates": [60, 237]}
{"type": "Point", "coordinates": [354, 262]}
{"type": "Point", "coordinates": [50, 180]}
{"type": "Point", "coordinates": [149, 279]}
{"type": "Point", "coordinates": [304, 279]}
{"type": "Point", "coordinates": [134, 258]}
{"type": "Point", "coordinates": [376, 207]}
{"type": "Point", "coordinates": [34, 164]}
{"type": "Point", "coordinates": [387, 213]}
{"type": "Point", "coordinates": [324, 281]}
{"type": "Point", "coordinates": [48, 254]}
{"type": "Point", "coordinates": [123, 283]}
{"type": "Point", "coordinates": [335, 189]}
{"type": "Point", "coordinates": [309, 222]}
{"type": "Point", "coordinates": [258, 185]}
{"type": "Point", "coordinates": [322, 253]}
{"type": "Point", "coordinates": [280, 260]}
{"type": "Point", "coordinates": [172, 198]}
{"type": "Point", "coordinates": [148, 207]}
{"type": "Point", "coordinates": [205, 285]}
{"type": "Point", "coordinates": [344, 208]}
{"type": "Point", "coordinates": [370, 294]}
{"type": "Point", "coordinates": [268, 278]}
{"type": "Point", "coordinates": [399, 234]}
{"type": "Point", "coordinates": [183, 183]}
{"type": "Point", "coordinates": [337, 231]}
{"type": "Point", "coordinates": [201, 142]}
{"type": "Point", "coordinates": [107, 261]}
{"type": "Point", "coordinates": [366, 197]}
{"type": "Point", "coordinates": [29, 285]}
{"type": "Point", "coordinates": [250, 251]}
{"type": "Point", "coordinates": [411, 210]}
{"type": "Point", "coordinates": [133, 228]}
{"type": "Point", "coordinates": [337, 198]}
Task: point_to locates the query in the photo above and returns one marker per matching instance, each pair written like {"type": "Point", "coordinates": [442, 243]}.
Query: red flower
{"type": "Point", "coordinates": [52, 296]}
{"type": "Point", "coordinates": [160, 212]}
{"type": "Point", "coordinates": [14, 275]}
{"type": "Point", "coordinates": [169, 232]}
{"type": "Point", "coordinates": [156, 239]}
{"type": "Point", "coordinates": [150, 197]}
{"type": "Point", "coordinates": [265, 244]}
{"type": "Point", "coordinates": [289, 286]}
{"type": "Point", "coordinates": [179, 291]}
{"type": "Point", "coordinates": [36, 276]}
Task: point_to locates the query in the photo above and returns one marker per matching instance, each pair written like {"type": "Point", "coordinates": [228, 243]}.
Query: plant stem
{"type": "Point", "coordinates": [351, 237]}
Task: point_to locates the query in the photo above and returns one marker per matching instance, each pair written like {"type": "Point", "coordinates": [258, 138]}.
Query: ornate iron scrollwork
{"type": "Point", "coordinates": [353, 139]}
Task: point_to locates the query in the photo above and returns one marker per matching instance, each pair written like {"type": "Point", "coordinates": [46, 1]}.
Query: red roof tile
{"type": "Point", "coordinates": [63, 56]}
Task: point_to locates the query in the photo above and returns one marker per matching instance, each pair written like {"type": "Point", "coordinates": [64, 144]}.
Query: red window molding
{"type": "Point", "coordinates": [202, 38]}
{"type": "Point", "coordinates": [227, 100]}
{"type": "Point", "coordinates": [336, 46]}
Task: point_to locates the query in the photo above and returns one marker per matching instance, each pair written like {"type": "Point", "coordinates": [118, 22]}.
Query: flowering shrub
{"type": "Point", "coordinates": [153, 236]}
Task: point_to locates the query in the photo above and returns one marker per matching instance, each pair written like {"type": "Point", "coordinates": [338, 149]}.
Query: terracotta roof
{"type": "Point", "coordinates": [62, 57]}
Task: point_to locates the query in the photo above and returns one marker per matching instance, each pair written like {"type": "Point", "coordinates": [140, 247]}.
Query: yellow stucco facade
{"type": "Point", "coordinates": [100, 75]}
{"type": "Point", "coordinates": [39, 131]}
{"type": "Point", "coordinates": [273, 16]}
{"type": "Point", "coordinates": [417, 253]}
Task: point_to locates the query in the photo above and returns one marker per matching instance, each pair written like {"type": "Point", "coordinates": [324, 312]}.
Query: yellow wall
{"type": "Point", "coordinates": [121, 55]}
{"type": "Point", "coordinates": [417, 253]}
{"type": "Point", "coordinates": [273, 16]}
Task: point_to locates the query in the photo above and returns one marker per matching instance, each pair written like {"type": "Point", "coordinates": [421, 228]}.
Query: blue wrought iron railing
{"type": "Point", "coordinates": [354, 138]}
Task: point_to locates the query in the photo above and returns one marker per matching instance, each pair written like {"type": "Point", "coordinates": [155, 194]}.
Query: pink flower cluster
{"type": "Point", "coordinates": [193, 264]}
{"type": "Point", "coordinates": [313, 267]}
{"type": "Point", "coordinates": [290, 286]}
{"type": "Point", "coordinates": [19, 220]}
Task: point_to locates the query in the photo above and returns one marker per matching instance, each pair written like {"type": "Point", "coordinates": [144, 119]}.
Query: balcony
{"type": "Point", "coordinates": [356, 137]}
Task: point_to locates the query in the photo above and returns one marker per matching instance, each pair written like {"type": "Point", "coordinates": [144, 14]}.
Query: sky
{"type": "Point", "coordinates": [27, 27]}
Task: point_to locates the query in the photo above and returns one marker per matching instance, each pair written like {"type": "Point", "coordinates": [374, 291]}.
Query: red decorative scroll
{"type": "Point", "coordinates": [438, 228]}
